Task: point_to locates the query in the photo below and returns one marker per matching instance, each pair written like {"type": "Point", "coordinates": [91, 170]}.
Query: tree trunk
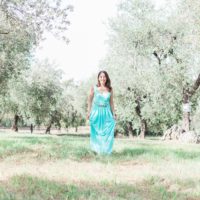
{"type": "Point", "coordinates": [187, 94]}
{"type": "Point", "coordinates": [143, 123]}
{"type": "Point", "coordinates": [186, 121]}
{"type": "Point", "coordinates": [186, 111]}
{"type": "Point", "coordinates": [143, 128]}
{"type": "Point", "coordinates": [48, 129]}
{"type": "Point", "coordinates": [130, 129]}
{"type": "Point", "coordinates": [15, 124]}
{"type": "Point", "coordinates": [31, 128]}
{"type": "Point", "coordinates": [138, 100]}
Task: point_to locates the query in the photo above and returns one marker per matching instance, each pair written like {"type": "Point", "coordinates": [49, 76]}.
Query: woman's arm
{"type": "Point", "coordinates": [112, 104]}
{"type": "Point", "coordinates": [89, 102]}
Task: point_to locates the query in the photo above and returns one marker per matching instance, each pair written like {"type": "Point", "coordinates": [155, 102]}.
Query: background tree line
{"type": "Point", "coordinates": [33, 93]}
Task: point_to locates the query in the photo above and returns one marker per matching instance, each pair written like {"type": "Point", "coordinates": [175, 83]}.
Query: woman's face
{"type": "Point", "coordinates": [102, 78]}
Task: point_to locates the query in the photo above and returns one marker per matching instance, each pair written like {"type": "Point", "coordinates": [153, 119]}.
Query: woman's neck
{"type": "Point", "coordinates": [102, 85]}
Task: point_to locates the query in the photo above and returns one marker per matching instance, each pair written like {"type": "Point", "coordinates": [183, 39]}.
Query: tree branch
{"type": "Point", "coordinates": [158, 58]}
{"type": "Point", "coordinates": [195, 86]}
{"type": "Point", "coordinates": [4, 33]}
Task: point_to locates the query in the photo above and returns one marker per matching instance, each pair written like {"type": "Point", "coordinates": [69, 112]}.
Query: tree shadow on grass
{"type": "Point", "coordinates": [130, 152]}
{"type": "Point", "coordinates": [157, 153]}
{"type": "Point", "coordinates": [73, 135]}
{"type": "Point", "coordinates": [186, 155]}
{"type": "Point", "coordinates": [151, 154]}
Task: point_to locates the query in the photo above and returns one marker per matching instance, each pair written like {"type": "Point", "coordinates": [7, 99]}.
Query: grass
{"type": "Point", "coordinates": [137, 169]}
{"type": "Point", "coordinates": [78, 149]}
{"type": "Point", "coordinates": [31, 188]}
{"type": "Point", "coordinates": [12, 147]}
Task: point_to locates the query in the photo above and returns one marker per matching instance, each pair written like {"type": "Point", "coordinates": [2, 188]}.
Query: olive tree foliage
{"type": "Point", "coordinates": [78, 93]}
{"type": "Point", "coordinates": [70, 105]}
{"type": "Point", "coordinates": [189, 16]}
{"type": "Point", "coordinates": [34, 17]}
{"type": "Point", "coordinates": [22, 24]}
{"type": "Point", "coordinates": [151, 52]}
{"type": "Point", "coordinates": [14, 59]}
{"type": "Point", "coordinates": [34, 96]}
{"type": "Point", "coordinates": [40, 97]}
{"type": "Point", "coordinates": [43, 90]}
{"type": "Point", "coordinates": [15, 48]}
{"type": "Point", "coordinates": [84, 88]}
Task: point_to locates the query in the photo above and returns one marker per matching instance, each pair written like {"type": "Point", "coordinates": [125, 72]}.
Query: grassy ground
{"type": "Point", "coordinates": [63, 167]}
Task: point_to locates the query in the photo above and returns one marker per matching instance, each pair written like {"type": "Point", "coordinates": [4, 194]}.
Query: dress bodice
{"type": "Point", "coordinates": [101, 98]}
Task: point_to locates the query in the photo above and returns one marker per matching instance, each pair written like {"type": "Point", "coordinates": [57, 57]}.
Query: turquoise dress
{"type": "Point", "coordinates": [102, 123]}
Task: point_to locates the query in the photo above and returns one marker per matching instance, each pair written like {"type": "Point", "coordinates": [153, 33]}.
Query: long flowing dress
{"type": "Point", "coordinates": [102, 123]}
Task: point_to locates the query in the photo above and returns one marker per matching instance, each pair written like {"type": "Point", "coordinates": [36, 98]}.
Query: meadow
{"type": "Point", "coordinates": [60, 167]}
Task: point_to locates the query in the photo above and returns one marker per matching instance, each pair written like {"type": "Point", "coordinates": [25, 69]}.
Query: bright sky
{"type": "Point", "coordinates": [87, 34]}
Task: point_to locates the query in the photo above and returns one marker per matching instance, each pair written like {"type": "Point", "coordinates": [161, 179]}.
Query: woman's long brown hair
{"type": "Point", "coordinates": [108, 82]}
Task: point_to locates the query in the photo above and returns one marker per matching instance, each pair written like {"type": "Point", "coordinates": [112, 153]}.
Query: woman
{"type": "Point", "coordinates": [101, 115]}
